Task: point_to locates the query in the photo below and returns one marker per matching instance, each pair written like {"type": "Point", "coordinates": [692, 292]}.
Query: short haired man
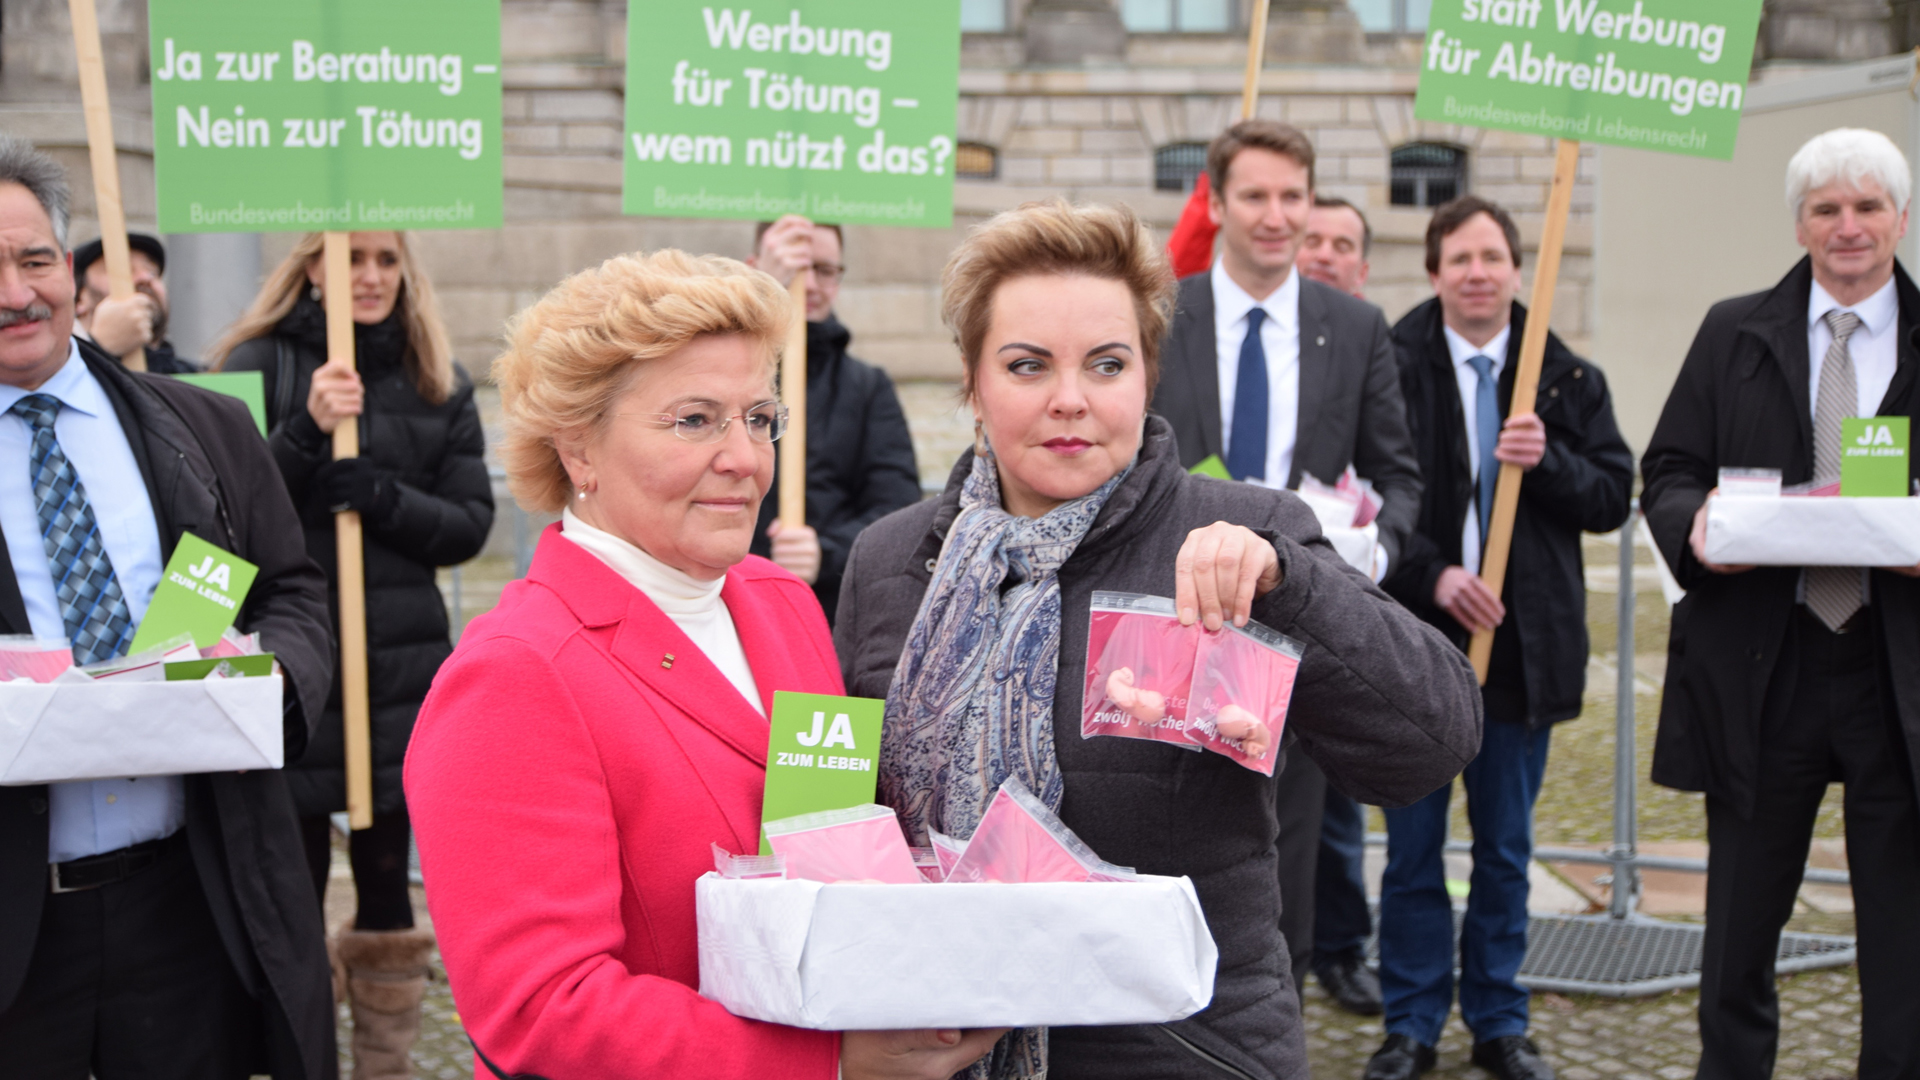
{"type": "Point", "coordinates": [118, 326]}
{"type": "Point", "coordinates": [1782, 680]}
{"type": "Point", "coordinates": [860, 462]}
{"type": "Point", "coordinates": [163, 926]}
{"type": "Point", "coordinates": [1284, 378]}
{"type": "Point", "coordinates": [1458, 353]}
{"type": "Point", "coordinates": [1337, 244]}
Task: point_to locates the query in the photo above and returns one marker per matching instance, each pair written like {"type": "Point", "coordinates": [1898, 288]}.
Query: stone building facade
{"type": "Point", "coordinates": [1090, 99]}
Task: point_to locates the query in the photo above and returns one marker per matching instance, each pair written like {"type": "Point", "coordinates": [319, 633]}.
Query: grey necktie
{"type": "Point", "coordinates": [1833, 592]}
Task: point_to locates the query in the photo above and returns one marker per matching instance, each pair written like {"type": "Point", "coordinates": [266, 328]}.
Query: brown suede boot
{"type": "Point", "coordinates": [386, 978]}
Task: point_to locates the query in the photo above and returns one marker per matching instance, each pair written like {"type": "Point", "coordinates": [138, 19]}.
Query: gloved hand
{"type": "Point", "coordinates": [358, 484]}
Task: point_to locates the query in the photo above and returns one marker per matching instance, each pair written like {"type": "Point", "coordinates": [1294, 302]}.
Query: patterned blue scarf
{"type": "Point", "coordinates": [972, 698]}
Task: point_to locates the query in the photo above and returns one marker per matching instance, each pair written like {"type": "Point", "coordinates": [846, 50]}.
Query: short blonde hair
{"type": "Point", "coordinates": [573, 353]}
{"type": "Point", "coordinates": [1056, 238]}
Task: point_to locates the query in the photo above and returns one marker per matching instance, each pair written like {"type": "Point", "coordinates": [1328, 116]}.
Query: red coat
{"type": "Point", "coordinates": [566, 779]}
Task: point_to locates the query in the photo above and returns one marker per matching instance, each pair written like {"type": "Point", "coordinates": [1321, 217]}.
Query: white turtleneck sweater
{"type": "Point", "coordinates": [693, 605]}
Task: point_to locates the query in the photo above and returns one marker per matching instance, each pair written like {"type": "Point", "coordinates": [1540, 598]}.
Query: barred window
{"type": "Point", "coordinates": [1427, 174]}
{"type": "Point", "coordinates": [976, 161]}
{"type": "Point", "coordinates": [1177, 16]}
{"type": "Point", "coordinates": [1177, 165]}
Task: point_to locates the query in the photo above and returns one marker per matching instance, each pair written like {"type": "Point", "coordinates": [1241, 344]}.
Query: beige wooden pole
{"type": "Point", "coordinates": [351, 579]}
{"type": "Point", "coordinates": [793, 391]}
{"type": "Point", "coordinates": [106, 169]}
{"type": "Point", "coordinates": [1256, 55]}
{"type": "Point", "coordinates": [1526, 386]}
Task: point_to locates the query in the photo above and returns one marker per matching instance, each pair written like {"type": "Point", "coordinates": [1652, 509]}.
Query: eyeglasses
{"type": "Point", "coordinates": [702, 422]}
{"type": "Point", "coordinates": [828, 273]}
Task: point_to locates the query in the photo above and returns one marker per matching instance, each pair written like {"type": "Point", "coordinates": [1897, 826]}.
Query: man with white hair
{"type": "Point", "coordinates": [1782, 680]}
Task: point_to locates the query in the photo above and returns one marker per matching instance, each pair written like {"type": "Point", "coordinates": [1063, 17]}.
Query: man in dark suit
{"type": "Point", "coordinates": [164, 926]}
{"type": "Point", "coordinates": [1283, 377]}
{"type": "Point", "coordinates": [1457, 356]}
{"type": "Point", "coordinates": [1782, 680]}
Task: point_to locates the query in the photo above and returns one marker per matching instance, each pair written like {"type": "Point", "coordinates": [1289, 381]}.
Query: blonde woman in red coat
{"type": "Point", "coordinates": [596, 732]}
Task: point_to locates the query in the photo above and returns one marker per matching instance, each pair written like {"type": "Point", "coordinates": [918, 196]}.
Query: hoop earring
{"type": "Point", "coordinates": [980, 447]}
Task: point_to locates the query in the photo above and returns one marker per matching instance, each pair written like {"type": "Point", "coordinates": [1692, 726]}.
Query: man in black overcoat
{"type": "Point", "coordinates": [1782, 680]}
{"type": "Point", "coordinates": [160, 927]}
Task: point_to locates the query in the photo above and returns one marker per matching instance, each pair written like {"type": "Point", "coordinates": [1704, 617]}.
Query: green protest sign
{"type": "Point", "coordinates": [326, 115]}
{"type": "Point", "coordinates": [822, 754]}
{"type": "Point", "coordinates": [248, 386]}
{"type": "Point", "coordinates": [1873, 455]}
{"type": "Point", "coordinates": [1651, 74]}
{"type": "Point", "coordinates": [839, 110]}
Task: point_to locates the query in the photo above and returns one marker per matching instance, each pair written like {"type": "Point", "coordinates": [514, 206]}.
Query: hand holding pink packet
{"type": "Point", "coordinates": [1242, 685]}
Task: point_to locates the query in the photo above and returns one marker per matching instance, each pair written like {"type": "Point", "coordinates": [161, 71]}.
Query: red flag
{"type": "Point", "coordinates": [1190, 247]}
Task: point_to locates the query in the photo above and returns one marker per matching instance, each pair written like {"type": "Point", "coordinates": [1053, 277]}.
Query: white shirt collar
{"type": "Point", "coordinates": [1877, 312]}
{"type": "Point", "coordinates": [675, 592]}
{"type": "Point", "coordinates": [1463, 350]}
{"type": "Point", "coordinates": [1231, 303]}
{"type": "Point", "coordinates": [73, 386]}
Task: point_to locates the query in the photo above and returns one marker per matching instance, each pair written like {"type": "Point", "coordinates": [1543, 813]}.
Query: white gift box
{"type": "Point", "coordinates": [1358, 548]}
{"type": "Point", "coordinates": [1813, 531]}
{"type": "Point", "coordinates": [850, 956]}
{"type": "Point", "coordinates": [50, 732]}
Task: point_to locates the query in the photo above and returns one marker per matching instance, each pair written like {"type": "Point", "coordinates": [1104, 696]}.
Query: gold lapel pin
{"type": "Point", "coordinates": [666, 661]}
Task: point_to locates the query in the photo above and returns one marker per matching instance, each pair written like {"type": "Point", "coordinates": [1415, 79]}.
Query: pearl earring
{"type": "Point", "coordinates": [313, 293]}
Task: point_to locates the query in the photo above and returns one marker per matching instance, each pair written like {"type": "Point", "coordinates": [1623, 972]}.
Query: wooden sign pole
{"type": "Point", "coordinates": [793, 391]}
{"type": "Point", "coordinates": [1526, 386]}
{"type": "Point", "coordinates": [106, 169]}
{"type": "Point", "coordinates": [1256, 55]}
{"type": "Point", "coordinates": [351, 579]}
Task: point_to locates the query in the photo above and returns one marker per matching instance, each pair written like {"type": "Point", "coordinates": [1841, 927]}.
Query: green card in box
{"type": "Point", "coordinates": [1873, 456]}
{"type": "Point", "coordinates": [823, 753]}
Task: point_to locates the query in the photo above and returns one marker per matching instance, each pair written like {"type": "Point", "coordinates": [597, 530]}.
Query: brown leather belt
{"type": "Point", "coordinates": [93, 871]}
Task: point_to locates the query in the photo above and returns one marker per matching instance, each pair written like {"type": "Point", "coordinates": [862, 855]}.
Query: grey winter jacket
{"type": "Point", "coordinates": [1383, 702]}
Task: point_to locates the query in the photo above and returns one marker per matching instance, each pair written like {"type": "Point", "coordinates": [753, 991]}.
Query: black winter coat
{"type": "Point", "coordinates": [445, 507]}
{"type": "Point", "coordinates": [1585, 482]}
{"type": "Point", "coordinates": [1743, 400]}
{"type": "Point", "coordinates": [1383, 703]}
{"type": "Point", "coordinates": [860, 463]}
{"type": "Point", "coordinates": [208, 472]}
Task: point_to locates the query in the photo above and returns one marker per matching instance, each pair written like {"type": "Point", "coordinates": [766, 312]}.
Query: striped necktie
{"type": "Point", "coordinates": [1833, 592]}
{"type": "Point", "coordinates": [91, 603]}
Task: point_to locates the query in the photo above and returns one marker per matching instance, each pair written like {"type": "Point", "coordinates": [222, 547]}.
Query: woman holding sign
{"type": "Point", "coordinates": [597, 733]}
{"type": "Point", "coordinates": [420, 485]}
{"type": "Point", "coordinates": [969, 613]}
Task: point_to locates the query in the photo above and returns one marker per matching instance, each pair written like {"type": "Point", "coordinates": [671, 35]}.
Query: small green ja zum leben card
{"type": "Point", "coordinates": [200, 594]}
{"type": "Point", "coordinates": [823, 753]}
{"type": "Point", "coordinates": [1873, 455]}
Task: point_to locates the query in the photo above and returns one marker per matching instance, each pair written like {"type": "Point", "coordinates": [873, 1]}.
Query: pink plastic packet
{"type": "Point", "coordinates": [23, 656]}
{"type": "Point", "coordinates": [232, 643]}
{"type": "Point", "coordinates": [860, 843]}
{"type": "Point", "coordinates": [1139, 666]}
{"type": "Point", "coordinates": [946, 851]}
{"type": "Point", "coordinates": [744, 867]}
{"type": "Point", "coordinates": [1242, 684]}
{"type": "Point", "coordinates": [1020, 840]}
{"type": "Point", "coordinates": [927, 861]}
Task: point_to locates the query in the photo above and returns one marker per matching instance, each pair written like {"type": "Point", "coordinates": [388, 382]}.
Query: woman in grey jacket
{"type": "Point", "coordinates": [968, 611]}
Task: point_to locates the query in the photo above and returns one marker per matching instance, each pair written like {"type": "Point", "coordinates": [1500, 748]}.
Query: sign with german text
{"type": "Point", "coordinates": [1873, 455]}
{"type": "Point", "coordinates": [837, 110]}
{"type": "Point", "coordinates": [823, 753]}
{"type": "Point", "coordinates": [1665, 75]}
{"type": "Point", "coordinates": [326, 115]}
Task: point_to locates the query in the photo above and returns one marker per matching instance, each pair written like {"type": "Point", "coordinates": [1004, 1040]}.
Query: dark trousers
{"type": "Point", "coordinates": [130, 980]}
{"type": "Point", "coordinates": [1827, 720]}
{"type": "Point", "coordinates": [1416, 914]}
{"type": "Point", "coordinates": [1341, 921]}
{"type": "Point", "coordinates": [1301, 794]}
{"type": "Point", "coordinates": [379, 858]}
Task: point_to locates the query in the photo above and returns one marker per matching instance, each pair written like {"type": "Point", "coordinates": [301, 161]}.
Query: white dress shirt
{"type": "Point", "coordinates": [1280, 339]}
{"type": "Point", "coordinates": [87, 817]}
{"type": "Point", "coordinates": [1468, 381]}
{"type": "Point", "coordinates": [694, 606]}
{"type": "Point", "coordinates": [1873, 348]}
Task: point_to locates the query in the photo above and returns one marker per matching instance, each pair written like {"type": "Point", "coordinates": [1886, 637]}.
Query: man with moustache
{"type": "Point", "coordinates": [163, 926]}
{"type": "Point", "coordinates": [1457, 356]}
{"type": "Point", "coordinates": [1782, 680]}
{"type": "Point", "coordinates": [139, 321]}
{"type": "Point", "coordinates": [1283, 377]}
{"type": "Point", "coordinates": [1336, 245]}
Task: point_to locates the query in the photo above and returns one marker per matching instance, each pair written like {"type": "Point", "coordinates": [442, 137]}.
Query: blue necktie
{"type": "Point", "coordinates": [1486, 408]}
{"type": "Point", "coordinates": [91, 603]}
{"type": "Point", "coordinates": [1247, 452]}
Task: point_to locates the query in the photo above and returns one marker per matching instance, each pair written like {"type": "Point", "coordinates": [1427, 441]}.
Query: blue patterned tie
{"type": "Point", "coordinates": [1247, 454]}
{"type": "Point", "coordinates": [91, 603]}
{"type": "Point", "coordinates": [1486, 408]}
